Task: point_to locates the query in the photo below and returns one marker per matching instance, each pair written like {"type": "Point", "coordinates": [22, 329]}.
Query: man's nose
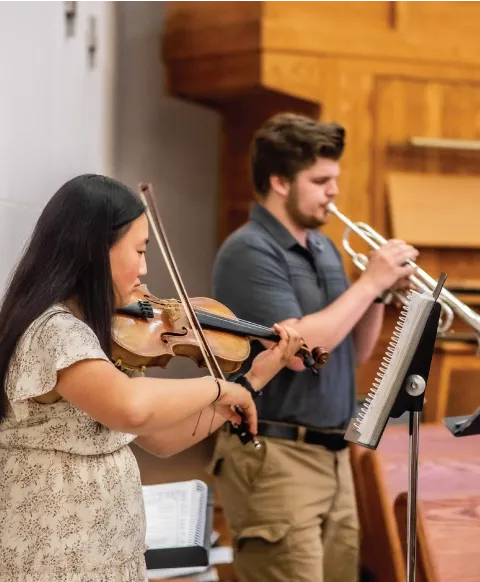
{"type": "Point", "coordinates": [333, 190]}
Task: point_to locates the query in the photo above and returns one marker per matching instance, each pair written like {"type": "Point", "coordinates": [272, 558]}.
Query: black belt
{"type": "Point", "coordinates": [331, 441]}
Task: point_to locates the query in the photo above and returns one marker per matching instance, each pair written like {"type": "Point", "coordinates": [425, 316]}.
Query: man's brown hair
{"type": "Point", "coordinates": [288, 143]}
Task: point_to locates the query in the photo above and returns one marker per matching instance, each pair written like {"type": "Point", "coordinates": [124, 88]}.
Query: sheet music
{"type": "Point", "coordinates": [176, 514]}
{"type": "Point", "coordinates": [394, 366]}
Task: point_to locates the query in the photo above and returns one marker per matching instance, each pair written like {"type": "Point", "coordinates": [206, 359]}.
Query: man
{"type": "Point", "coordinates": [291, 505]}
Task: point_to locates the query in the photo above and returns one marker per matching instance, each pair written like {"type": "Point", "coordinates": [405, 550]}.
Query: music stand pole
{"type": "Point", "coordinates": [415, 386]}
{"type": "Point", "coordinates": [412, 496]}
{"type": "Point", "coordinates": [411, 399]}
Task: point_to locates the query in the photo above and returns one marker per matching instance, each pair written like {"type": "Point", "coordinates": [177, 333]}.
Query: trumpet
{"type": "Point", "coordinates": [420, 280]}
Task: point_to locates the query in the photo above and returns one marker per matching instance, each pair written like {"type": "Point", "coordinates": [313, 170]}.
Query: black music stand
{"type": "Point", "coordinates": [410, 398]}
{"type": "Point", "coordinates": [461, 426]}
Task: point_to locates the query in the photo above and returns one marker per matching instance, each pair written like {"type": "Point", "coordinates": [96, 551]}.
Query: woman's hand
{"type": "Point", "coordinates": [264, 367]}
{"type": "Point", "coordinates": [234, 395]}
{"type": "Point", "coordinates": [269, 362]}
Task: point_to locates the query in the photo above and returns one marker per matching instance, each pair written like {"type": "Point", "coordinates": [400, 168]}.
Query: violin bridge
{"type": "Point", "coordinates": [172, 310]}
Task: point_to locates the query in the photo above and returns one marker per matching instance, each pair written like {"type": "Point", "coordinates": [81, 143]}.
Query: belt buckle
{"type": "Point", "coordinates": [301, 433]}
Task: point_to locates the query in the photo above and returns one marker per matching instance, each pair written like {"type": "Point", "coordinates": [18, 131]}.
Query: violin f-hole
{"type": "Point", "coordinates": [173, 334]}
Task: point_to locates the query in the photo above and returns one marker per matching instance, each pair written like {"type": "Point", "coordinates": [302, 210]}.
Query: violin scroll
{"type": "Point", "coordinates": [320, 356]}
{"type": "Point", "coordinates": [313, 360]}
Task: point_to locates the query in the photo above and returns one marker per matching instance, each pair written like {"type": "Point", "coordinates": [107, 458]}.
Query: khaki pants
{"type": "Point", "coordinates": [291, 510]}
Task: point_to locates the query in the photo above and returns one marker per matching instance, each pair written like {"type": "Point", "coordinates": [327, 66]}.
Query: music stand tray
{"type": "Point", "coordinates": [461, 426]}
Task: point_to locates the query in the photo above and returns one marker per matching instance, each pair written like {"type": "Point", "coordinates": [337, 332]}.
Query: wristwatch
{"type": "Point", "coordinates": [385, 298]}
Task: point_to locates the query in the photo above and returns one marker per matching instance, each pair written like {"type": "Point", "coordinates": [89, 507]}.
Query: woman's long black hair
{"type": "Point", "coordinates": [68, 257]}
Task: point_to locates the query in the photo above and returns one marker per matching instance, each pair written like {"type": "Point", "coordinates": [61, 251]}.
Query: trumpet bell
{"type": "Point", "coordinates": [422, 281]}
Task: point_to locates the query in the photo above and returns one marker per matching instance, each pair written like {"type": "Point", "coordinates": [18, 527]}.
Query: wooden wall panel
{"type": "Point", "coordinates": [441, 109]}
{"type": "Point", "coordinates": [241, 118]}
{"type": "Point", "coordinates": [206, 28]}
{"type": "Point", "coordinates": [385, 70]}
{"type": "Point", "coordinates": [367, 97]}
{"type": "Point", "coordinates": [398, 31]}
{"type": "Point", "coordinates": [301, 77]}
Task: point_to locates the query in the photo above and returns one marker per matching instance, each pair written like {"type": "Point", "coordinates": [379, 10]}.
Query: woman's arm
{"type": "Point", "coordinates": [147, 406]}
{"type": "Point", "coordinates": [144, 405]}
{"type": "Point", "coordinates": [190, 431]}
{"type": "Point", "coordinates": [182, 435]}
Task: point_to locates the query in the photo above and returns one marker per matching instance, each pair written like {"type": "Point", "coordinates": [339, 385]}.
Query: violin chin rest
{"type": "Point", "coordinates": [140, 309]}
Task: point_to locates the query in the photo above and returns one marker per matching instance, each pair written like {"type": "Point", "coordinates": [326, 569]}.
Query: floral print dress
{"type": "Point", "coordinates": [71, 505]}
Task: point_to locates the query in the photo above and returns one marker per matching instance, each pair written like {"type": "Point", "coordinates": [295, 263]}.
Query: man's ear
{"type": "Point", "coordinates": [280, 185]}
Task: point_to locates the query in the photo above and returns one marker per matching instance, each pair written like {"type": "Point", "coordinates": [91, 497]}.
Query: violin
{"type": "Point", "coordinates": [150, 331]}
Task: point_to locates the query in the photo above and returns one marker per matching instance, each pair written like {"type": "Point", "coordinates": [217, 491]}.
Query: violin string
{"type": "Point", "coordinates": [222, 318]}
{"type": "Point", "coordinates": [211, 422]}
{"type": "Point", "coordinates": [235, 320]}
{"type": "Point", "coordinates": [213, 317]}
{"type": "Point", "coordinates": [249, 324]}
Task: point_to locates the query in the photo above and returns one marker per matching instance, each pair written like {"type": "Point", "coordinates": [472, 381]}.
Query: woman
{"type": "Point", "coordinates": [71, 505]}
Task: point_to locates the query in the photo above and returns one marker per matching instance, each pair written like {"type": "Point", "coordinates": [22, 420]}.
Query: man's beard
{"type": "Point", "coordinates": [301, 220]}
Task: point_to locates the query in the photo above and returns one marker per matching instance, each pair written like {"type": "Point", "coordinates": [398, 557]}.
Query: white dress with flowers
{"type": "Point", "coordinates": [71, 505]}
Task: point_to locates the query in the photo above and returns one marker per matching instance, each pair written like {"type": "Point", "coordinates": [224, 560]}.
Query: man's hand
{"type": "Point", "coordinates": [386, 266]}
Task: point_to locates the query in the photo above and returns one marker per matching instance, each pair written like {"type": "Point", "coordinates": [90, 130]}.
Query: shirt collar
{"type": "Point", "coordinates": [261, 215]}
{"type": "Point", "coordinates": [258, 213]}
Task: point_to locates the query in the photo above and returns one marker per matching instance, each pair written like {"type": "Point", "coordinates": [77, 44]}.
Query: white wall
{"type": "Point", "coordinates": [56, 112]}
{"type": "Point", "coordinates": [172, 144]}
{"type": "Point", "coordinates": [59, 118]}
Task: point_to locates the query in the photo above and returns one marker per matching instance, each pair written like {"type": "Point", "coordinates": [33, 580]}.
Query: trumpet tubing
{"type": "Point", "coordinates": [450, 304]}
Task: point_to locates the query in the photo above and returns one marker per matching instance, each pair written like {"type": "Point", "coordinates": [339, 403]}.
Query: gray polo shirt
{"type": "Point", "coordinates": [264, 276]}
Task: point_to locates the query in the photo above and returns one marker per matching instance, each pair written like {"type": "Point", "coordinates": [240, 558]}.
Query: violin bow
{"type": "Point", "coordinates": [153, 215]}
